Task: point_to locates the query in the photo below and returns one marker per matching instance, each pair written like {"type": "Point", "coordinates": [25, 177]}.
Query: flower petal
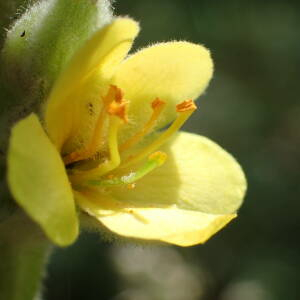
{"type": "Point", "coordinates": [183, 202]}
{"type": "Point", "coordinates": [168, 224]}
{"type": "Point", "coordinates": [173, 72]}
{"type": "Point", "coordinates": [81, 84]}
{"type": "Point", "coordinates": [198, 174]}
{"type": "Point", "coordinates": [39, 183]}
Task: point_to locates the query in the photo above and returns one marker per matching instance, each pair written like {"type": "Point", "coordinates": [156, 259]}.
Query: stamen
{"type": "Point", "coordinates": [107, 166]}
{"type": "Point", "coordinates": [157, 106]}
{"type": "Point", "coordinates": [118, 109]}
{"type": "Point", "coordinates": [185, 109]}
{"type": "Point", "coordinates": [154, 161]}
{"type": "Point", "coordinates": [188, 105]}
{"type": "Point", "coordinates": [93, 145]}
{"type": "Point", "coordinates": [114, 94]}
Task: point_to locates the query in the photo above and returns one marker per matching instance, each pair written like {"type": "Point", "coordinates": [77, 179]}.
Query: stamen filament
{"type": "Point", "coordinates": [107, 166]}
{"type": "Point", "coordinates": [113, 94]}
{"type": "Point", "coordinates": [157, 106]}
{"type": "Point", "coordinates": [185, 110]}
{"type": "Point", "coordinates": [93, 145]}
{"type": "Point", "coordinates": [154, 161]}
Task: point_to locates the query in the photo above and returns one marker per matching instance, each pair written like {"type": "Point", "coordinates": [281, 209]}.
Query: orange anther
{"type": "Point", "coordinates": [187, 105]}
{"type": "Point", "coordinates": [157, 103]}
{"type": "Point", "coordinates": [115, 103]}
{"type": "Point", "coordinates": [119, 110]}
{"type": "Point", "coordinates": [113, 94]}
{"type": "Point", "coordinates": [118, 94]}
{"type": "Point", "coordinates": [157, 106]}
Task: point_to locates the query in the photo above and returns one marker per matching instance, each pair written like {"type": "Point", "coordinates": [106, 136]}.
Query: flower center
{"type": "Point", "coordinates": [114, 112]}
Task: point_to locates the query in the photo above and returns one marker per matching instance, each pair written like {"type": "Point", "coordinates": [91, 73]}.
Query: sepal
{"type": "Point", "coordinates": [42, 41]}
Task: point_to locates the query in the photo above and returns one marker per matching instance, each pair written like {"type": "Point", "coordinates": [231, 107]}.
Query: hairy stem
{"type": "Point", "coordinates": [23, 254]}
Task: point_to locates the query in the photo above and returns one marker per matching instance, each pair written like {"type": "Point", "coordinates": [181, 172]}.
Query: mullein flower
{"type": "Point", "coordinates": [100, 145]}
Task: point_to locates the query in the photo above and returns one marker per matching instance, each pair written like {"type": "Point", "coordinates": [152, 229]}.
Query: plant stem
{"type": "Point", "coordinates": [23, 254]}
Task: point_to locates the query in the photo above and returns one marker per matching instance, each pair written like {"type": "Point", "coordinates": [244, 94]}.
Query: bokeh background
{"type": "Point", "coordinates": [252, 109]}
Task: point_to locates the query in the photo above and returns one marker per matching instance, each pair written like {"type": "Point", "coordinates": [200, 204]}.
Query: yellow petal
{"type": "Point", "coordinates": [39, 183]}
{"type": "Point", "coordinates": [173, 72]}
{"type": "Point", "coordinates": [81, 84]}
{"type": "Point", "coordinates": [168, 224]}
{"type": "Point", "coordinates": [198, 174]}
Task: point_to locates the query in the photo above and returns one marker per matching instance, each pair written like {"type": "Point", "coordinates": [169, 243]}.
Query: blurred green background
{"type": "Point", "coordinates": [252, 109]}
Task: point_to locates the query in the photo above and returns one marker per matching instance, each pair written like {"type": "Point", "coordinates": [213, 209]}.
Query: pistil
{"type": "Point", "coordinates": [154, 161]}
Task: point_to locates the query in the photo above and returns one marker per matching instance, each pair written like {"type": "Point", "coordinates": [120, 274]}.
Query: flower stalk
{"type": "Point", "coordinates": [24, 251]}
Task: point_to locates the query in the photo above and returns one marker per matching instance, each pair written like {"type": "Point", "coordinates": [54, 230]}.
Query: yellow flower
{"type": "Point", "coordinates": [100, 145]}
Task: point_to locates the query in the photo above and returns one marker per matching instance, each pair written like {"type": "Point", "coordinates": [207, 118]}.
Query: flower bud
{"type": "Point", "coordinates": [42, 41]}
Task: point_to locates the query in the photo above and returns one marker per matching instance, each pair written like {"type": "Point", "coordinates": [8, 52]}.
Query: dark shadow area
{"type": "Point", "coordinates": [71, 275]}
